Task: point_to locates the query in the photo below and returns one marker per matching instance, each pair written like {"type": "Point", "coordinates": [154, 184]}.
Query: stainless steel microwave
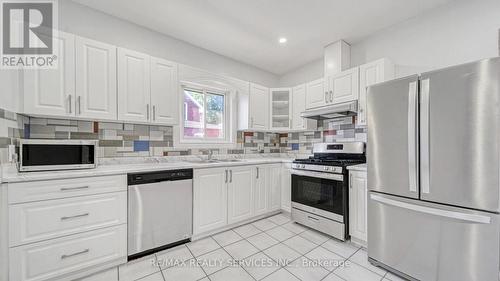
{"type": "Point", "coordinates": [48, 155]}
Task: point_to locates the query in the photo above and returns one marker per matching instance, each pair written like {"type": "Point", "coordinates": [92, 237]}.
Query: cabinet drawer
{"type": "Point", "coordinates": [54, 189]}
{"type": "Point", "coordinates": [62, 256]}
{"type": "Point", "coordinates": [32, 222]}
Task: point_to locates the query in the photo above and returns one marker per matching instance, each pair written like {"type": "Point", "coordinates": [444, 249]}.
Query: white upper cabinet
{"type": "Point", "coordinates": [316, 95]}
{"type": "Point", "coordinates": [134, 86]}
{"type": "Point", "coordinates": [52, 91]}
{"type": "Point", "coordinates": [299, 94]}
{"type": "Point", "coordinates": [369, 74]}
{"type": "Point", "coordinates": [298, 106]}
{"type": "Point", "coordinates": [281, 108]}
{"type": "Point", "coordinates": [344, 86]}
{"type": "Point", "coordinates": [164, 97]}
{"type": "Point", "coordinates": [259, 107]}
{"type": "Point", "coordinates": [96, 83]}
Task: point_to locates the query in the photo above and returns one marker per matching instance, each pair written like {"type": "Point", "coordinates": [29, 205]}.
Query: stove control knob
{"type": "Point", "coordinates": [325, 168]}
{"type": "Point", "coordinates": [303, 166]}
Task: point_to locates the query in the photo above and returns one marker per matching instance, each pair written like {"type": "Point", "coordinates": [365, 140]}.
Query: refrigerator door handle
{"type": "Point", "coordinates": [424, 136]}
{"type": "Point", "coordinates": [412, 136]}
{"type": "Point", "coordinates": [433, 211]}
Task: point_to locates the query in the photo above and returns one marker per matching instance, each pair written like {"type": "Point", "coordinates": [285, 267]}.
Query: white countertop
{"type": "Point", "coordinates": [10, 173]}
{"type": "Point", "coordinates": [360, 167]}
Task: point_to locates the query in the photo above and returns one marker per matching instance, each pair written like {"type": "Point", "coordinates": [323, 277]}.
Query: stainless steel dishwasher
{"type": "Point", "coordinates": [160, 211]}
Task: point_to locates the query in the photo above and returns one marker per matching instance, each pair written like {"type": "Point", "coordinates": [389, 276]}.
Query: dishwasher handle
{"type": "Point", "coordinates": [159, 176]}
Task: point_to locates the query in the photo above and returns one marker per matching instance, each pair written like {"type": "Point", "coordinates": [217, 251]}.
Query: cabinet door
{"type": "Point", "coordinates": [259, 107]}
{"type": "Point", "coordinates": [164, 92]}
{"type": "Point", "coordinates": [274, 180]}
{"type": "Point", "coordinates": [209, 199]}
{"type": "Point", "coordinates": [240, 195]}
{"type": "Point", "coordinates": [260, 190]}
{"type": "Point", "coordinates": [52, 91]}
{"type": "Point", "coordinates": [358, 205]}
{"type": "Point", "coordinates": [298, 106]}
{"type": "Point", "coordinates": [133, 86]}
{"type": "Point", "coordinates": [369, 74]}
{"type": "Point", "coordinates": [315, 94]}
{"type": "Point", "coordinates": [345, 86]}
{"type": "Point", "coordinates": [286, 188]}
{"type": "Point", "coordinates": [96, 83]}
{"type": "Point", "coordinates": [280, 108]}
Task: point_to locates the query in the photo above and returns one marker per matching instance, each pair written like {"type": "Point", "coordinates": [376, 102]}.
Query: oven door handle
{"type": "Point", "coordinates": [328, 176]}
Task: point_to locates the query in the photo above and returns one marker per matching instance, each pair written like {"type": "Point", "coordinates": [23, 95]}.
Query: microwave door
{"type": "Point", "coordinates": [392, 145]}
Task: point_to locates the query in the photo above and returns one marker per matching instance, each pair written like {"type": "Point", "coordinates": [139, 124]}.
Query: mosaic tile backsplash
{"type": "Point", "coordinates": [128, 140]}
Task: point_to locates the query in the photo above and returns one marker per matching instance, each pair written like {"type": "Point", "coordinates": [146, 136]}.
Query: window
{"type": "Point", "coordinates": [204, 116]}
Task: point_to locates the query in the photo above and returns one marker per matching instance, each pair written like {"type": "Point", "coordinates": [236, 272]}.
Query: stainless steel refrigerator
{"type": "Point", "coordinates": [433, 173]}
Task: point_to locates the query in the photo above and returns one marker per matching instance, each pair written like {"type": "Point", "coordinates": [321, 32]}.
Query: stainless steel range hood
{"type": "Point", "coordinates": [332, 111]}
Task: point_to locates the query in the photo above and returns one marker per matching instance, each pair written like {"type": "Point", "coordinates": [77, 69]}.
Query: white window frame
{"type": "Point", "coordinates": [227, 128]}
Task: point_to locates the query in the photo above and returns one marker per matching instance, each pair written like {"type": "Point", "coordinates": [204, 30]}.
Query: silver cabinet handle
{"type": "Point", "coordinates": [412, 136]}
{"type": "Point", "coordinates": [154, 112]}
{"type": "Point", "coordinates": [432, 211]}
{"type": "Point", "coordinates": [230, 175]}
{"type": "Point", "coordinates": [424, 136]}
{"type": "Point", "coordinates": [326, 96]}
{"type": "Point", "coordinates": [79, 101]}
{"type": "Point", "coordinates": [350, 181]}
{"type": "Point", "coordinates": [69, 101]}
{"type": "Point", "coordinates": [74, 188]}
{"type": "Point", "coordinates": [257, 172]}
{"type": "Point", "coordinates": [75, 216]}
{"type": "Point", "coordinates": [75, 254]}
{"type": "Point", "coordinates": [147, 111]}
{"type": "Point", "coordinates": [331, 95]}
{"type": "Point", "coordinates": [226, 177]}
{"type": "Point", "coordinates": [251, 122]}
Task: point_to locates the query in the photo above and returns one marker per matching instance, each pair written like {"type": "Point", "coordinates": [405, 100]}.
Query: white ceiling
{"type": "Point", "coordinates": [248, 30]}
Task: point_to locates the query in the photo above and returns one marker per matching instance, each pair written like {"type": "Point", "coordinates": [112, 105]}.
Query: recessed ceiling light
{"type": "Point", "coordinates": [282, 40]}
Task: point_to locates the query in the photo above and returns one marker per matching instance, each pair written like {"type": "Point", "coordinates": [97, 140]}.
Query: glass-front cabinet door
{"type": "Point", "coordinates": [281, 107]}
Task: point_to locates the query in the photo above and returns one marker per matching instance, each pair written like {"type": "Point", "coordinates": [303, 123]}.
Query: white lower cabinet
{"type": "Point", "coordinates": [209, 199]}
{"type": "Point", "coordinates": [274, 180]}
{"type": "Point", "coordinates": [66, 229]}
{"type": "Point", "coordinates": [58, 257]}
{"type": "Point", "coordinates": [224, 196]}
{"type": "Point", "coordinates": [260, 193]}
{"type": "Point", "coordinates": [358, 195]}
{"type": "Point", "coordinates": [240, 195]}
{"type": "Point", "coordinates": [42, 220]}
{"type": "Point", "coordinates": [286, 187]}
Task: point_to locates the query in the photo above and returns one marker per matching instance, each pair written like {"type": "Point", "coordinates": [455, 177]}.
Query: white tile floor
{"type": "Point", "coordinates": [270, 249]}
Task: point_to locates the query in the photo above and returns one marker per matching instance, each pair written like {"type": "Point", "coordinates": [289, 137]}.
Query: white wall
{"type": "Point", "coordinates": [84, 21]}
{"type": "Point", "coordinates": [459, 32]}
{"type": "Point", "coordinates": [305, 73]}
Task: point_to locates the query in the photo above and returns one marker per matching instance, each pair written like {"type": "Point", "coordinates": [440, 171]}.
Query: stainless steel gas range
{"type": "Point", "coordinates": [320, 186]}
